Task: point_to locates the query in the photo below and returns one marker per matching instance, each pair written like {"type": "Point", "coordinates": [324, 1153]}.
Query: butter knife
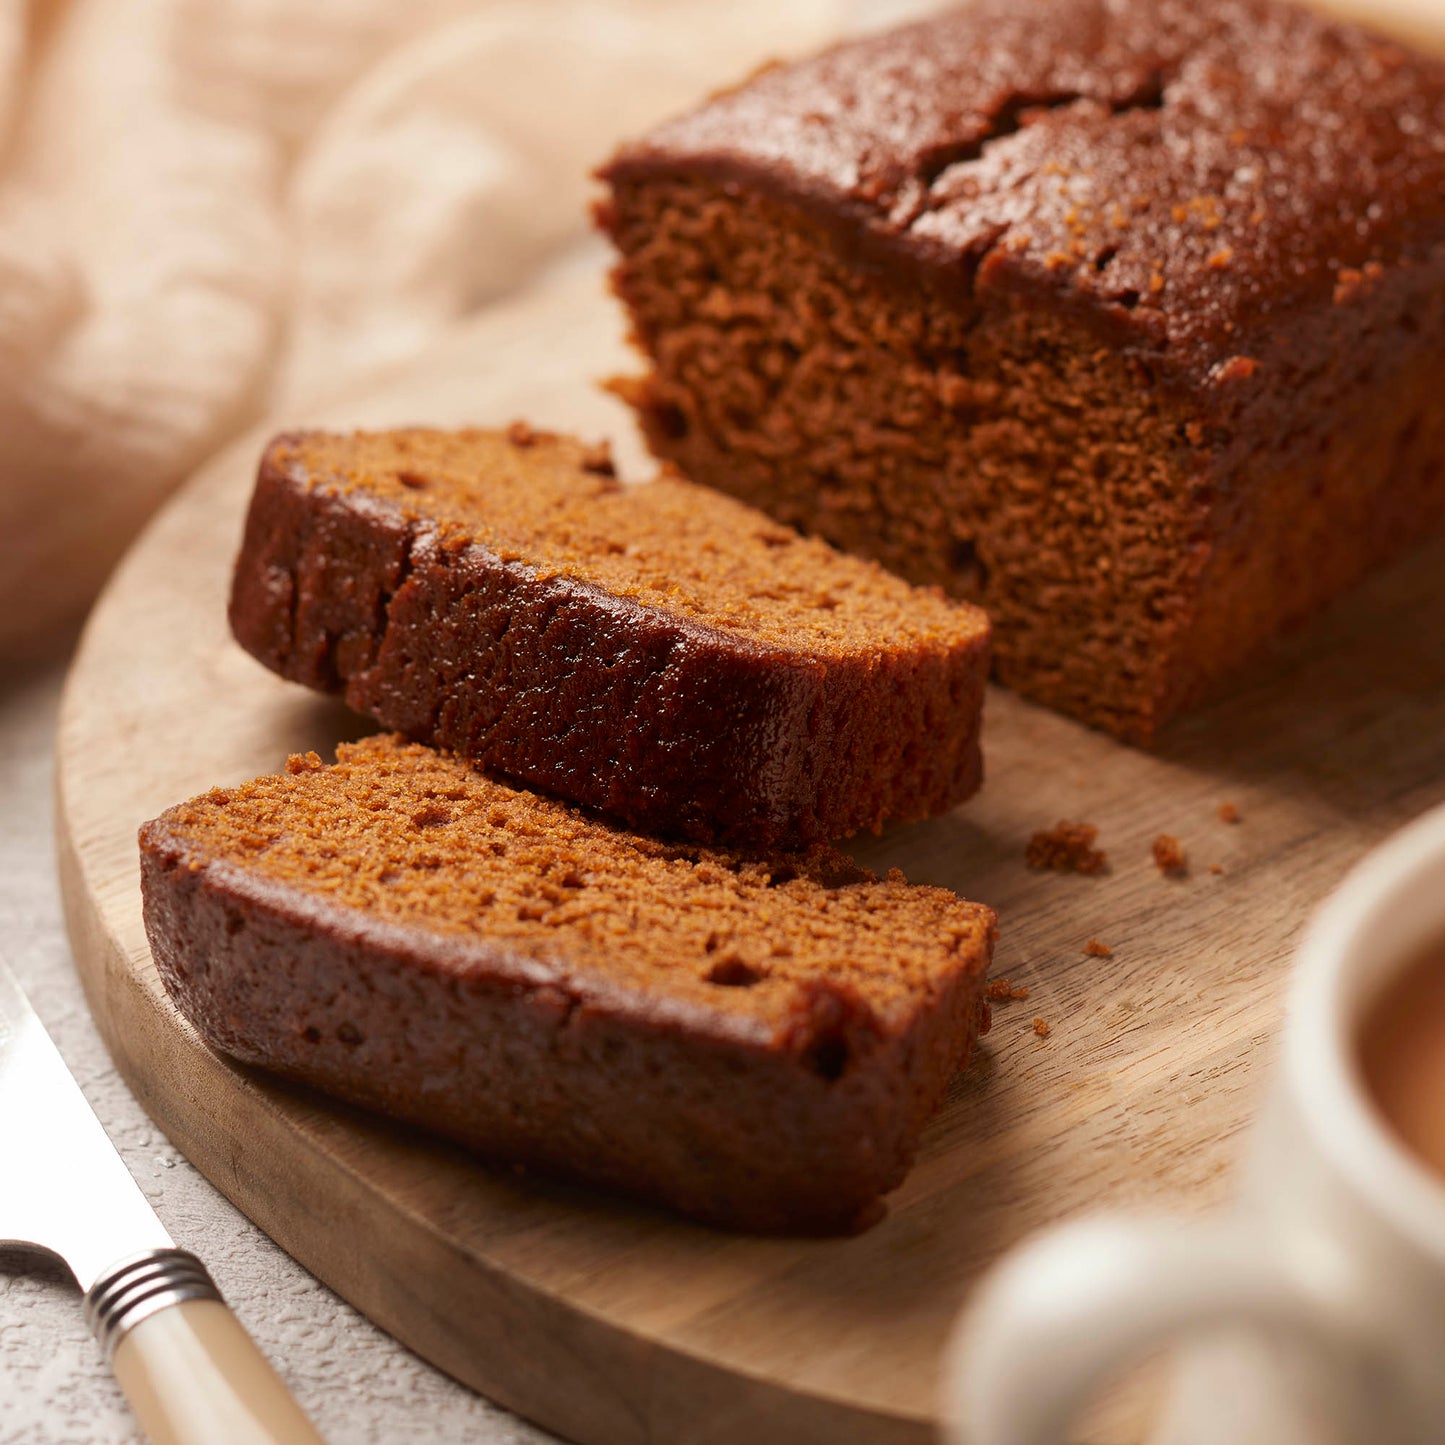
{"type": "Point", "coordinates": [192, 1374]}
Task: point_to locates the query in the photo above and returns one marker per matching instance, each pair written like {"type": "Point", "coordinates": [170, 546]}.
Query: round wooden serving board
{"type": "Point", "coordinates": [615, 1325]}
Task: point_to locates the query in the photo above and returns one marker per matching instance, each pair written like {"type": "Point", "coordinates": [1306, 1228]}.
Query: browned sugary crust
{"type": "Point", "coordinates": [653, 717]}
{"type": "Point", "coordinates": [798, 1123]}
{"type": "Point", "coordinates": [1123, 319]}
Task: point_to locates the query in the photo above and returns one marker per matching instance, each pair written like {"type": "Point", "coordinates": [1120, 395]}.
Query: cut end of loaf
{"type": "Point", "coordinates": [998, 456]}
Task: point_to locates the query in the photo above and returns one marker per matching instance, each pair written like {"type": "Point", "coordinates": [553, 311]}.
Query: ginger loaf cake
{"type": "Point", "coordinates": [660, 652]}
{"type": "Point", "coordinates": [1124, 318]}
{"type": "Point", "coordinates": [754, 1043]}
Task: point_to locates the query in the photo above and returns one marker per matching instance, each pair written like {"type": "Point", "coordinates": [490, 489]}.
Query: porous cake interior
{"type": "Point", "coordinates": [405, 835]}
{"type": "Point", "coordinates": [1127, 551]}
{"type": "Point", "coordinates": [1003, 457]}
{"type": "Point", "coordinates": [555, 505]}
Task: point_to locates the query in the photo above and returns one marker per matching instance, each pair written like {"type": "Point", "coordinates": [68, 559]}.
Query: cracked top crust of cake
{"type": "Point", "coordinates": [1184, 176]}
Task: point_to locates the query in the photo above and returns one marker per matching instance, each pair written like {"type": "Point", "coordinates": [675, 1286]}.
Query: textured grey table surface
{"type": "Point", "coordinates": [357, 1383]}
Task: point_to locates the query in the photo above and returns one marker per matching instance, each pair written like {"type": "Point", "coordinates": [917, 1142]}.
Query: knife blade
{"type": "Point", "coordinates": [67, 1190]}
{"type": "Point", "coordinates": [192, 1374]}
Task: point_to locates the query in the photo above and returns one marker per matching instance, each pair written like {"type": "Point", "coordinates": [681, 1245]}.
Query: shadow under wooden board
{"type": "Point", "coordinates": [615, 1325]}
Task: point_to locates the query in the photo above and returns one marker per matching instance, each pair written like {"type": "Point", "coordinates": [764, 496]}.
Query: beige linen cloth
{"type": "Point", "coordinates": [211, 207]}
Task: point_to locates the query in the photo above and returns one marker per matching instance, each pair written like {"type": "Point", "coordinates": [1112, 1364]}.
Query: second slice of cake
{"type": "Point", "coordinates": [661, 652]}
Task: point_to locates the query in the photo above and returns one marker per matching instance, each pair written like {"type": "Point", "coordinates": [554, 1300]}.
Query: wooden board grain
{"type": "Point", "coordinates": [615, 1325]}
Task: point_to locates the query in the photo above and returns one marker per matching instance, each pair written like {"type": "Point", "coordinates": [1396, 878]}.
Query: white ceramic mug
{"type": "Point", "coordinates": [1319, 1299]}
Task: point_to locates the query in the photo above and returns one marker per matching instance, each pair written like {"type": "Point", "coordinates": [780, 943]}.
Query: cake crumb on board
{"type": "Point", "coordinates": [1095, 949]}
{"type": "Point", "coordinates": [1228, 813]}
{"type": "Point", "coordinates": [1169, 856]}
{"type": "Point", "coordinates": [1000, 990]}
{"type": "Point", "coordinates": [1041, 1028]}
{"type": "Point", "coordinates": [1066, 848]}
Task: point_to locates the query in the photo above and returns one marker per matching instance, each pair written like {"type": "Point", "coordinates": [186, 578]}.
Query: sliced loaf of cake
{"type": "Point", "coordinates": [660, 652]}
{"type": "Point", "coordinates": [756, 1044]}
{"type": "Point", "coordinates": [1124, 318]}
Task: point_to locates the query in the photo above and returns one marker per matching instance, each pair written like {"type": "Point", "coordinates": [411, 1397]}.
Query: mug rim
{"type": "Point", "coordinates": [1321, 1054]}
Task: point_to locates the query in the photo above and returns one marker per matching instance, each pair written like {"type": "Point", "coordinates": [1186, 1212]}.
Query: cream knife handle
{"type": "Point", "coordinates": [192, 1375]}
